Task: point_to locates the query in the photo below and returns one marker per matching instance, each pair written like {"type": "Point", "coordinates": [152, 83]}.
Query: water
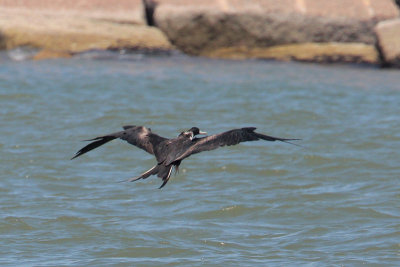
{"type": "Point", "coordinates": [333, 202]}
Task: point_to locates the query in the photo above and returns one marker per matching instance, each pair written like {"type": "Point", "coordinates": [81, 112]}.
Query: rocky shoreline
{"type": "Point", "coordinates": [354, 31]}
{"type": "Point", "coordinates": [65, 28]}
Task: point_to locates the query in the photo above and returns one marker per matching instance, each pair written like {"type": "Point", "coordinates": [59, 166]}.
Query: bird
{"type": "Point", "coordinates": [169, 153]}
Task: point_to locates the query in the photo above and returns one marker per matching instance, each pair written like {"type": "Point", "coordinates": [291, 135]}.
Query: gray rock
{"type": "Point", "coordinates": [200, 27]}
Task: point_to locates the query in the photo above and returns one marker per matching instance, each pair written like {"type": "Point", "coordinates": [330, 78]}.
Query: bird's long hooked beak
{"type": "Point", "coordinates": [203, 133]}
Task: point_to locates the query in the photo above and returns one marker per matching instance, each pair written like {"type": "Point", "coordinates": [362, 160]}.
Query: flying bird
{"type": "Point", "coordinates": [169, 153]}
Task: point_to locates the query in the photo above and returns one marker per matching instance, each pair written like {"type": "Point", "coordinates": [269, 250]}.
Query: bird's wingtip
{"type": "Point", "coordinates": [74, 157]}
{"type": "Point", "coordinates": [288, 142]}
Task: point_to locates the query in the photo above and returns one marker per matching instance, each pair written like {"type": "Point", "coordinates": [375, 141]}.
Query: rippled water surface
{"type": "Point", "coordinates": [334, 201]}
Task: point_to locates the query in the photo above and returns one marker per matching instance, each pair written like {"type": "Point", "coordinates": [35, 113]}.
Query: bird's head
{"type": "Point", "coordinates": [196, 131]}
{"type": "Point", "coordinates": [192, 132]}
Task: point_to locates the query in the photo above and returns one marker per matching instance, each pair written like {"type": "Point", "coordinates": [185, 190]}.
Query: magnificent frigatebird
{"type": "Point", "coordinates": [170, 152]}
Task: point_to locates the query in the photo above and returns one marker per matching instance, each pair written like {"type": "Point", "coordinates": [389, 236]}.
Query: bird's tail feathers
{"type": "Point", "coordinates": [165, 174]}
{"type": "Point", "coordinates": [162, 171]}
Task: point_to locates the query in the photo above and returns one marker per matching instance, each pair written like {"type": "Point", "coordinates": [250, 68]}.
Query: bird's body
{"type": "Point", "coordinates": [170, 152]}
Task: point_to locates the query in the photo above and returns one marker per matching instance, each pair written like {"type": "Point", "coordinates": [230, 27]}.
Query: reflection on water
{"type": "Point", "coordinates": [333, 202]}
{"type": "Point", "coordinates": [21, 53]}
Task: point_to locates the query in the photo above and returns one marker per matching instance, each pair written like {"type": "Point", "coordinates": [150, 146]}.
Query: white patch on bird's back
{"type": "Point", "coordinates": [188, 134]}
{"type": "Point", "coordinates": [143, 132]}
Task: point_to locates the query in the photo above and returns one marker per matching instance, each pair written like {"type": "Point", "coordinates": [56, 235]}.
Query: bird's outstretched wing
{"type": "Point", "coordinates": [229, 138]}
{"type": "Point", "coordinates": [139, 136]}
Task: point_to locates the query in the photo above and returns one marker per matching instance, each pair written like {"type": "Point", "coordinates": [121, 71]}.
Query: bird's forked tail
{"type": "Point", "coordinates": [162, 171]}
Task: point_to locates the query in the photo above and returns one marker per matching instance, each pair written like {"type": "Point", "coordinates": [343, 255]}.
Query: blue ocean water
{"type": "Point", "coordinates": [333, 201]}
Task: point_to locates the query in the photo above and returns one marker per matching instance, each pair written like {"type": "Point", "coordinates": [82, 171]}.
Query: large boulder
{"type": "Point", "coordinates": [388, 34]}
{"type": "Point", "coordinates": [128, 11]}
{"type": "Point", "coordinates": [62, 28]}
{"type": "Point", "coordinates": [204, 27]}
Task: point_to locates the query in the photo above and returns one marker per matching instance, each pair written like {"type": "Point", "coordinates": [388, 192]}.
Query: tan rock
{"type": "Point", "coordinates": [69, 29]}
{"type": "Point", "coordinates": [308, 52]}
{"type": "Point", "coordinates": [48, 54]}
{"type": "Point", "coordinates": [128, 11]}
{"type": "Point", "coordinates": [388, 34]}
{"type": "Point", "coordinates": [206, 27]}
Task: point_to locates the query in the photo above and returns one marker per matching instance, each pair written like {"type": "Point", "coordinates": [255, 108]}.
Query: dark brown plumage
{"type": "Point", "coordinates": [170, 152]}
